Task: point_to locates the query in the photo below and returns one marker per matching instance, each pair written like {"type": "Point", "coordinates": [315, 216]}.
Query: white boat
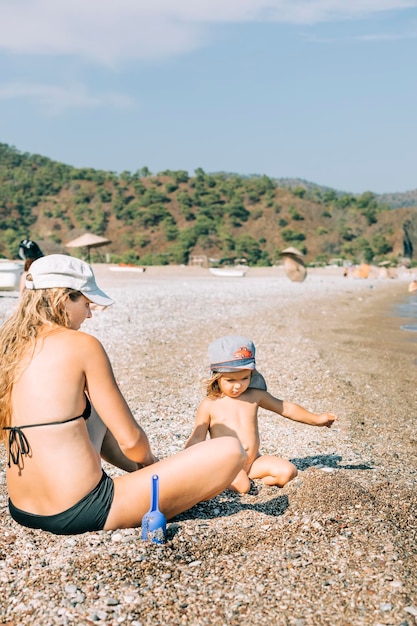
{"type": "Point", "coordinates": [126, 268]}
{"type": "Point", "coordinates": [237, 271]}
{"type": "Point", "coordinates": [10, 273]}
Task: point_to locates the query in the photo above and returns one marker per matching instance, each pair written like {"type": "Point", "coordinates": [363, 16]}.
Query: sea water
{"type": "Point", "coordinates": [408, 310]}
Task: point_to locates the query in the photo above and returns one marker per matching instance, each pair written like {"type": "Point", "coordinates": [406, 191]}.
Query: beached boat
{"type": "Point", "coordinates": [126, 268]}
{"type": "Point", "coordinates": [10, 273]}
{"type": "Point", "coordinates": [237, 271]}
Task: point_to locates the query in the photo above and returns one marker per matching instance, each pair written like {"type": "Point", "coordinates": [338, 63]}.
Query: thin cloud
{"type": "Point", "coordinates": [55, 99]}
{"type": "Point", "coordinates": [368, 37]}
{"type": "Point", "coordinates": [387, 36]}
{"type": "Point", "coordinates": [109, 32]}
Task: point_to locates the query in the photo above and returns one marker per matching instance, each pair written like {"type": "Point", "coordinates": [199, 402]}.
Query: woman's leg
{"type": "Point", "coordinates": [195, 474]}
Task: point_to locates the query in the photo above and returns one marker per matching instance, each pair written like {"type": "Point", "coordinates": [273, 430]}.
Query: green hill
{"type": "Point", "coordinates": [171, 216]}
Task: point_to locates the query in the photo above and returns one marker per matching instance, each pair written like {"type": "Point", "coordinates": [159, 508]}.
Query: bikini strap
{"type": "Point", "coordinates": [85, 414]}
{"type": "Point", "coordinates": [18, 444]}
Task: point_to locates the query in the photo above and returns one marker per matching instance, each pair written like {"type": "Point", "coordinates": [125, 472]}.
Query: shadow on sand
{"type": "Point", "coordinates": [327, 460]}
{"type": "Point", "coordinates": [229, 503]}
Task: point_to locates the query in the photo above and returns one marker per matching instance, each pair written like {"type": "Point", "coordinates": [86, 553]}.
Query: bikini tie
{"type": "Point", "coordinates": [18, 446]}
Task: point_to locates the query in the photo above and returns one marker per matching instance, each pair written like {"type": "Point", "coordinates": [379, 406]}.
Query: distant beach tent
{"type": "Point", "coordinates": [88, 241]}
{"type": "Point", "coordinates": [362, 271]}
{"type": "Point", "coordinates": [294, 265]}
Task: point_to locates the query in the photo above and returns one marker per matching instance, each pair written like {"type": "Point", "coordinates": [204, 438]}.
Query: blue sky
{"type": "Point", "coordinates": [324, 90]}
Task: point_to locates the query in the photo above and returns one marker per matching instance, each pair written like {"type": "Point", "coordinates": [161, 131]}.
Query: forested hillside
{"type": "Point", "coordinates": [171, 216]}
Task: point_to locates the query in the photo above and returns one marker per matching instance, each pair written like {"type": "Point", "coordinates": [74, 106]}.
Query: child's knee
{"type": "Point", "coordinates": [289, 474]}
{"type": "Point", "coordinates": [240, 488]}
{"type": "Point", "coordinates": [293, 472]}
{"type": "Point", "coordinates": [241, 483]}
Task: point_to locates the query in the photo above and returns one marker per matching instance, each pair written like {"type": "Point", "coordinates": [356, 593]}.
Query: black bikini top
{"type": "Point", "coordinates": [18, 443]}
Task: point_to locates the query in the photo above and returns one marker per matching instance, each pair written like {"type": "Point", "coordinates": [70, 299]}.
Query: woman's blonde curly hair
{"type": "Point", "coordinates": [36, 309]}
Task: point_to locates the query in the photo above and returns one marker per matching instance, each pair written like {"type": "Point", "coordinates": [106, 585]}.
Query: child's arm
{"type": "Point", "coordinates": [295, 412]}
{"type": "Point", "coordinates": [201, 425]}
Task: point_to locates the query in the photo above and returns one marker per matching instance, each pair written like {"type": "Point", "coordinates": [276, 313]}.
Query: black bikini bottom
{"type": "Point", "coordinates": [89, 514]}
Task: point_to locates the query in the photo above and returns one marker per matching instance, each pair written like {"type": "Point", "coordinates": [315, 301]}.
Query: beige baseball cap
{"type": "Point", "coordinates": [61, 270]}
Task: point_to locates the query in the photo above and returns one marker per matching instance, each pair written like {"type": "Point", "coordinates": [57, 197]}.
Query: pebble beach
{"type": "Point", "coordinates": [335, 547]}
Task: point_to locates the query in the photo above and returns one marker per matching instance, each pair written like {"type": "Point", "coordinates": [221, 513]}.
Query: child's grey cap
{"type": "Point", "coordinates": [257, 381]}
{"type": "Point", "coordinates": [232, 353]}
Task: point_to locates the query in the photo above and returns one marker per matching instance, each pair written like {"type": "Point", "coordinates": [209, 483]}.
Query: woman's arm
{"type": "Point", "coordinates": [110, 404]}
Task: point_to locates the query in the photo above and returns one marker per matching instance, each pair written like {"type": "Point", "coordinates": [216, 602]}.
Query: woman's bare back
{"type": "Point", "coordinates": [62, 465]}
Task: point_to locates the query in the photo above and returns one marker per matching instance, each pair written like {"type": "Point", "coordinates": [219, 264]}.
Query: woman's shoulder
{"type": "Point", "coordinates": [76, 338]}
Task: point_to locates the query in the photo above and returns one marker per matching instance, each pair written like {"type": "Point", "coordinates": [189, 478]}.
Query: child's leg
{"type": "Point", "coordinates": [273, 470]}
{"type": "Point", "coordinates": [195, 474]}
{"type": "Point", "coordinates": [241, 483]}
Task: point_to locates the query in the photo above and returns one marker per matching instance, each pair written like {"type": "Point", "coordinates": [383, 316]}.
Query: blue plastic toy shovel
{"type": "Point", "coordinates": [154, 523]}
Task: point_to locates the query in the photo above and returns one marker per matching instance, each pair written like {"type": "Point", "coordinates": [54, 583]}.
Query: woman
{"type": "Point", "coordinates": [50, 373]}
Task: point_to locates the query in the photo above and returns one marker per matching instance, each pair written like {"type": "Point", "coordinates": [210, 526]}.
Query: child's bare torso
{"type": "Point", "coordinates": [236, 417]}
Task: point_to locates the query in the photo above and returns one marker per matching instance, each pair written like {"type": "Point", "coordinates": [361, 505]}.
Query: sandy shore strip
{"type": "Point", "coordinates": [335, 547]}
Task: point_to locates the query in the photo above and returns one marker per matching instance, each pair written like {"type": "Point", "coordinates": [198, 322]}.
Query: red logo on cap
{"type": "Point", "coordinates": [243, 353]}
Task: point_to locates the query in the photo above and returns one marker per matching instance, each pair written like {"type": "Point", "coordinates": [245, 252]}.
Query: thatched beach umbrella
{"type": "Point", "coordinates": [294, 265]}
{"type": "Point", "coordinates": [88, 240]}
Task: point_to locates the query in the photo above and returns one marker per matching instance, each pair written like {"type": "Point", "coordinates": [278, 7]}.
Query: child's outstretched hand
{"type": "Point", "coordinates": [326, 419]}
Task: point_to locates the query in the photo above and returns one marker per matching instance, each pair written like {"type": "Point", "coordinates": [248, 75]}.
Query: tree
{"type": "Point", "coordinates": [145, 172]}
{"type": "Point", "coordinates": [248, 248]}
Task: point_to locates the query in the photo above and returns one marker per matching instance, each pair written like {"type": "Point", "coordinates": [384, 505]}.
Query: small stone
{"type": "Point", "coordinates": [397, 584]}
{"type": "Point", "coordinates": [412, 610]}
{"type": "Point", "coordinates": [71, 542]}
{"type": "Point", "coordinates": [129, 599]}
{"type": "Point", "coordinates": [116, 537]}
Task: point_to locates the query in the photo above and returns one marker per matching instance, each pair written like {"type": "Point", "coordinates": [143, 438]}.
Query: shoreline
{"type": "Point", "coordinates": [335, 547]}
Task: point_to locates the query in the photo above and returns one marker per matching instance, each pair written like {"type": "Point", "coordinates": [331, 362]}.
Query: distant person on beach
{"type": "Point", "coordinates": [235, 392]}
{"type": "Point", "coordinates": [412, 287]}
{"type": "Point", "coordinates": [51, 375]}
{"type": "Point", "coordinates": [29, 251]}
